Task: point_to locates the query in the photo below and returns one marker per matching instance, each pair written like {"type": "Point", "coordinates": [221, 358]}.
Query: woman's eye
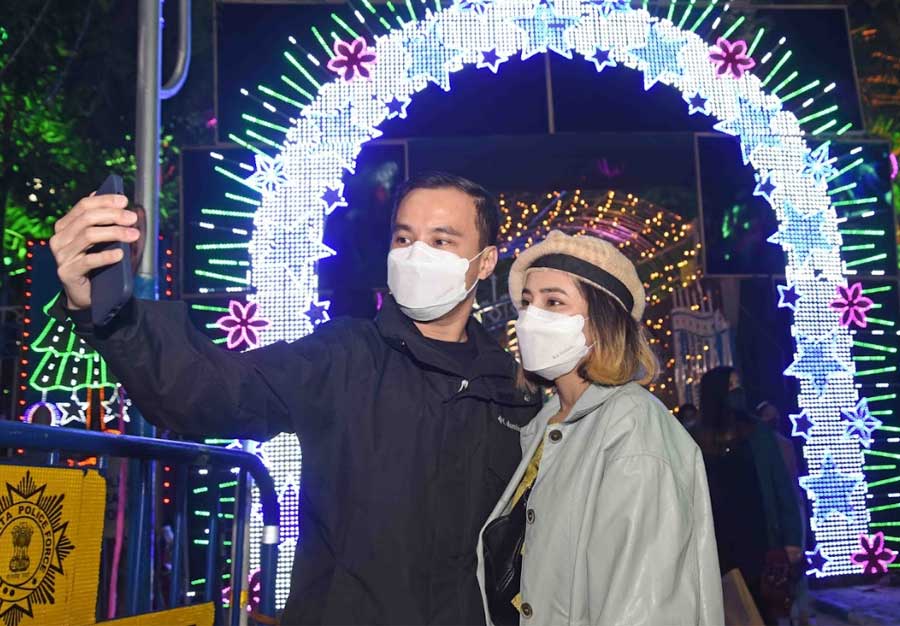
{"type": "Point", "coordinates": [554, 303]}
{"type": "Point", "coordinates": [524, 304]}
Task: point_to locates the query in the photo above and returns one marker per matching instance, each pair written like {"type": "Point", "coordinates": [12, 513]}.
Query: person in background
{"type": "Point", "coordinates": [757, 522]}
{"type": "Point", "coordinates": [688, 415]}
{"type": "Point", "coordinates": [771, 416]}
{"type": "Point", "coordinates": [607, 519]}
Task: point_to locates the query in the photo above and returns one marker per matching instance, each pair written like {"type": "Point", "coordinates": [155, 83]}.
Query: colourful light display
{"type": "Point", "coordinates": [303, 182]}
{"type": "Point", "coordinates": [662, 244]}
{"type": "Point", "coordinates": [242, 324]}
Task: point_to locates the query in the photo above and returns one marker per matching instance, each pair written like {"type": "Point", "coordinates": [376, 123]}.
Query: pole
{"type": "Point", "coordinates": [146, 180]}
{"type": "Point", "coordinates": [150, 92]}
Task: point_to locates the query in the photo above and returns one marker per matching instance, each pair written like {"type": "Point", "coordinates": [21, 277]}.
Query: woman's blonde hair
{"type": "Point", "coordinates": [621, 351]}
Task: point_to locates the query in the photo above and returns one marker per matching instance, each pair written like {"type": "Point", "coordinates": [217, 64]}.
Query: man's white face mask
{"type": "Point", "coordinates": [551, 344]}
{"type": "Point", "coordinates": [426, 282]}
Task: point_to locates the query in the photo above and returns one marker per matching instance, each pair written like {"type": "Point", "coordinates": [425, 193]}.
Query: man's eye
{"type": "Point", "coordinates": [441, 243]}
{"type": "Point", "coordinates": [524, 304]}
{"type": "Point", "coordinates": [401, 240]}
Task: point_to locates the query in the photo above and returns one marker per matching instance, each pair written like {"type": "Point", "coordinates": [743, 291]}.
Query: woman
{"type": "Point", "coordinates": [757, 517]}
{"type": "Point", "coordinates": [607, 518]}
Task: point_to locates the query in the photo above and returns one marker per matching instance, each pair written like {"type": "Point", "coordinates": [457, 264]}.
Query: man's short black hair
{"type": "Point", "coordinates": [487, 211]}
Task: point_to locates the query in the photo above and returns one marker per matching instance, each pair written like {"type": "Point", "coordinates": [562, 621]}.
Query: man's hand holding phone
{"type": "Point", "coordinates": [96, 219]}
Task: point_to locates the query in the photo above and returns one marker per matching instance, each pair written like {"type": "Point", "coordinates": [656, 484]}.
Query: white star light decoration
{"type": "Point", "coordinates": [324, 142]}
{"type": "Point", "coordinates": [74, 411]}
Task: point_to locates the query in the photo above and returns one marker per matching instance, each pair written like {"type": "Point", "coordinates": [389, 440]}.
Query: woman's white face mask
{"type": "Point", "coordinates": [426, 282]}
{"type": "Point", "coordinates": [551, 344]}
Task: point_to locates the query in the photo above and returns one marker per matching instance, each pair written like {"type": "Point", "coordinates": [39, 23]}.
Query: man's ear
{"type": "Point", "coordinates": [488, 262]}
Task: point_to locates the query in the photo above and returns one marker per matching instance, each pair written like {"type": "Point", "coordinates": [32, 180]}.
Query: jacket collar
{"type": "Point", "coordinates": [592, 398]}
{"type": "Point", "coordinates": [400, 332]}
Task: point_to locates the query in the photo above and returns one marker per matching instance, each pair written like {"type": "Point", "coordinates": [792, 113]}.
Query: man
{"type": "Point", "coordinates": [408, 423]}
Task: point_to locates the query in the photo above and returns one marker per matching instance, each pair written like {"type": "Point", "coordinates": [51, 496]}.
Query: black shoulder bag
{"type": "Point", "coordinates": [502, 542]}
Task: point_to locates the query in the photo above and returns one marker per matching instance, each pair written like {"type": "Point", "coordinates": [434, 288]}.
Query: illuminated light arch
{"type": "Point", "coordinates": [302, 185]}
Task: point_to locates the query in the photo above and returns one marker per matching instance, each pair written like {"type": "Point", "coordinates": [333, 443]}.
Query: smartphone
{"type": "Point", "coordinates": [111, 286]}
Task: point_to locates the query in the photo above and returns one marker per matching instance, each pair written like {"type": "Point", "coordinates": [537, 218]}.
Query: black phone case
{"type": "Point", "coordinates": [111, 286]}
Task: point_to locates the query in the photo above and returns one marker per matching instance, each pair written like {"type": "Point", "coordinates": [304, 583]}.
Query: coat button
{"type": "Point", "coordinates": [527, 610]}
{"type": "Point", "coordinates": [526, 397]}
{"type": "Point", "coordinates": [531, 516]}
{"type": "Point", "coordinates": [555, 435]}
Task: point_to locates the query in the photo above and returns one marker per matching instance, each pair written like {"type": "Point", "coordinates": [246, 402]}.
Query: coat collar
{"type": "Point", "coordinates": [399, 331]}
{"type": "Point", "coordinates": [592, 398]}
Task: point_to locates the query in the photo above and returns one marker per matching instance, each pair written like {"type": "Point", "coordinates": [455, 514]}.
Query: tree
{"type": "Point", "coordinates": [46, 157]}
{"type": "Point", "coordinates": [67, 107]}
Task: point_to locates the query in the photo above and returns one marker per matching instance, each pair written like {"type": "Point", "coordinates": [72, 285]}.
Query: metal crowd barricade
{"type": "Point", "coordinates": [56, 440]}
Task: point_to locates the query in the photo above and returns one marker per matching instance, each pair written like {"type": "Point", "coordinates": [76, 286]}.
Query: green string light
{"type": "Point", "coordinates": [293, 61]}
{"type": "Point", "coordinates": [245, 144]}
{"type": "Point", "coordinates": [245, 200]}
{"type": "Point", "coordinates": [225, 277]}
{"type": "Point", "coordinates": [755, 42]}
{"type": "Point", "coordinates": [784, 59]}
{"type": "Point", "coordinates": [817, 114]}
{"type": "Point", "coordinates": [734, 27]}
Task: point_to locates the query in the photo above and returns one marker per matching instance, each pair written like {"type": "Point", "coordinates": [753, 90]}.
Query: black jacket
{"type": "Point", "coordinates": [404, 452]}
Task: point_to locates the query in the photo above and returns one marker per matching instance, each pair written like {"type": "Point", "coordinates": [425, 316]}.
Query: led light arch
{"type": "Point", "coordinates": [302, 184]}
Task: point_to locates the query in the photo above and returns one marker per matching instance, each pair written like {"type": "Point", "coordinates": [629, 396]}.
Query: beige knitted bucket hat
{"type": "Point", "coordinates": [588, 259]}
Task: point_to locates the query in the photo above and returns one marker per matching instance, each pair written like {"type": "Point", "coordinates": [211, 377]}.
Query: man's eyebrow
{"type": "Point", "coordinates": [447, 230]}
{"type": "Point", "coordinates": [401, 227]}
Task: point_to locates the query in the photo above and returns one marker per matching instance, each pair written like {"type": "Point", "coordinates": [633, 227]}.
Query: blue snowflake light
{"type": "Point", "coordinates": [818, 166]}
{"type": "Point", "coordinates": [269, 173]}
{"type": "Point", "coordinates": [860, 422]}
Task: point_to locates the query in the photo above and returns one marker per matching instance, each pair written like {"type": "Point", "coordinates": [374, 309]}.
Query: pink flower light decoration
{"type": "Point", "coordinates": [731, 57]}
{"type": "Point", "coordinates": [852, 305]}
{"type": "Point", "coordinates": [352, 58]}
{"type": "Point", "coordinates": [873, 556]}
{"type": "Point", "coordinates": [242, 324]}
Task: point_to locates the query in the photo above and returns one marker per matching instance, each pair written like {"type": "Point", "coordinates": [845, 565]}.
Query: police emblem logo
{"type": "Point", "coordinates": [33, 545]}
